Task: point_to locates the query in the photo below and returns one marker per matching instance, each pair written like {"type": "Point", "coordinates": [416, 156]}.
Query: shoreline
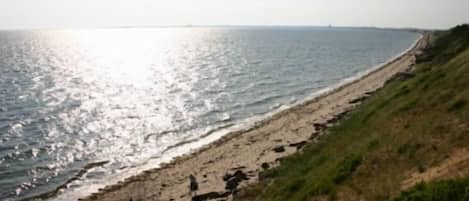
{"type": "Point", "coordinates": [251, 149]}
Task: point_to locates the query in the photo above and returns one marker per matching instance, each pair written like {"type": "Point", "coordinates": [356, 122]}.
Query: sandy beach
{"type": "Point", "coordinates": [237, 159]}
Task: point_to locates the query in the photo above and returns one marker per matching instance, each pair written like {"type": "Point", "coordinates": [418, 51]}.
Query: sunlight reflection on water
{"type": "Point", "coordinates": [124, 96]}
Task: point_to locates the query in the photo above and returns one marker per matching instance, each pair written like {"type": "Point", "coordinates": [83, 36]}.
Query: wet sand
{"type": "Point", "coordinates": [236, 159]}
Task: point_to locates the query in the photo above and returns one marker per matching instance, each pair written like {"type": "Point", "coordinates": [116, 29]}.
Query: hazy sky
{"type": "Point", "coordinates": [91, 13]}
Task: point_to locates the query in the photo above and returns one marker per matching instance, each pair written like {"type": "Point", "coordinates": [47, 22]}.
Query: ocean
{"type": "Point", "coordinates": [83, 108]}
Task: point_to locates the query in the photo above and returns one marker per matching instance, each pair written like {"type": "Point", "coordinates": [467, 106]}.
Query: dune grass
{"type": "Point", "coordinates": [447, 190]}
{"type": "Point", "coordinates": [408, 126]}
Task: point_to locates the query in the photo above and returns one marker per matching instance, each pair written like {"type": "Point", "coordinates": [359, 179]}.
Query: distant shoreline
{"type": "Point", "coordinates": [251, 150]}
{"type": "Point", "coordinates": [411, 29]}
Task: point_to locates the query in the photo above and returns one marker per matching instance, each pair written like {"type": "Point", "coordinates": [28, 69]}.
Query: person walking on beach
{"type": "Point", "coordinates": [193, 185]}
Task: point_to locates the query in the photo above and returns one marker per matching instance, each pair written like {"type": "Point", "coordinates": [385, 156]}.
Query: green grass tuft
{"type": "Point", "coordinates": [346, 168]}
{"type": "Point", "coordinates": [450, 190]}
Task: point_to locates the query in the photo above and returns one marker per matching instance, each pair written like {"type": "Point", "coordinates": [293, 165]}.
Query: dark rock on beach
{"type": "Point", "coordinates": [358, 100]}
{"type": "Point", "coordinates": [401, 76]}
{"type": "Point", "coordinates": [298, 145]}
{"type": "Point", "coordinates": [209, 196]}
{"type": "Point", "coordinates": [265, 166]}
{"type": "Point", "coordinates": [319, 127]}
{"type": "Point", "coordinates": [232, 181]}
{"type": "Point", "coordinates": [279, 149]}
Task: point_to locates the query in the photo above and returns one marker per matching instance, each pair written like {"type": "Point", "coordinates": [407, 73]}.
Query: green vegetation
{"type": "Point", "coordinates": [450, 190]}
{"type": "Point", "coordinates": [408, 126]}
{"type": "Point", "coordinates": [346, 168]}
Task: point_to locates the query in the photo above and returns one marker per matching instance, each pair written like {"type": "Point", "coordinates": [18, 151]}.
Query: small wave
{"type": "Point", "coordinates": [147, 137]}
{"type": "Point", "coordinates": [225, 118]}
{"type": "Point", "coordinates": [204, 135]}
{"type": "Point", "coordinates": [255, 62]}
{"type": "Point", "coordinates": [275, 106]}
{"type": "Point", "coordinates": [263, 100]}
{"type": "Point", "coordinates": [77, 176]}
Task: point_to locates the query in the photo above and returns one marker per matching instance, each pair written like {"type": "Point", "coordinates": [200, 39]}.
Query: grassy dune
{"type": "Point", "coordinates": [408, 127]}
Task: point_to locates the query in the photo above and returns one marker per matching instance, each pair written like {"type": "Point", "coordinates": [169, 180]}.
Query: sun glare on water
{"type": "Point", "coordinates": [128, 56]}
{"type": "Point", "coordinates": [120, 88]}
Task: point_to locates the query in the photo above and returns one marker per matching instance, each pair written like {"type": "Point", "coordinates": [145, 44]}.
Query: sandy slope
{"type": "Point", "coordinates": [240, 156]}
{"type": "Point", "coordinates": [456, 165]}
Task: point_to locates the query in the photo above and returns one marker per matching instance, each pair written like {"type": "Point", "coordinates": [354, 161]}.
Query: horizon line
{"type": "Point", "coordinates": [219, 26]}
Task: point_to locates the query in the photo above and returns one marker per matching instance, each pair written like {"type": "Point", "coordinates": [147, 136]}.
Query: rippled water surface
{"type": "Point", "coordinates": [81, 108]}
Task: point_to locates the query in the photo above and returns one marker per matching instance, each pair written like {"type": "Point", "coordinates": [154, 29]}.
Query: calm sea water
{"type": "Point", "coordinates": [83, 108]}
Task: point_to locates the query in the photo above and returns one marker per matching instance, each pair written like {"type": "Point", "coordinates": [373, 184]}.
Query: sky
{"type": "Point", "coordinates": [26, 14]}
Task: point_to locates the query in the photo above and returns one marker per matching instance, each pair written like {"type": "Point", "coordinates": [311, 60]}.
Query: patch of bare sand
{"type": "Point", "coordinates": [456, 165]}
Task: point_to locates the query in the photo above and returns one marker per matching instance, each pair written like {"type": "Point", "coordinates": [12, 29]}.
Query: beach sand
{"type": "Point", "coordinates": [236, 159]}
